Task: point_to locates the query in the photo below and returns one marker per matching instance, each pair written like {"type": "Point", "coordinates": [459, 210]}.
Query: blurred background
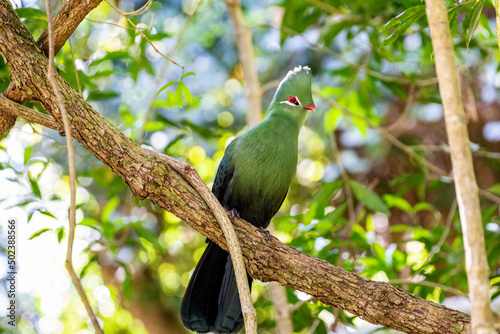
{"type": "Point", "coordinates": [373, 192]}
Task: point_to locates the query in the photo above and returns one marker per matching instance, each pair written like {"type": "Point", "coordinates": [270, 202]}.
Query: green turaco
{"type": "Point", "coordinates": [253, 179]}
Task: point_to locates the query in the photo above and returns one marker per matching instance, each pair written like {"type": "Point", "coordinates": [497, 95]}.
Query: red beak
{"type": "Point", "coordinates": [310, 107]}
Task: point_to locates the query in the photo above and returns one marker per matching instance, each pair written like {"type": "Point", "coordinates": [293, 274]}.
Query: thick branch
{"type": "Point", "coordinates": [245, 51]}
{"type": "Point", "coordinates": [66, 21]}
{"type": "Point", "coordinates": [463, 168]}
{"type": "Point", "coordinates": [267, 259]}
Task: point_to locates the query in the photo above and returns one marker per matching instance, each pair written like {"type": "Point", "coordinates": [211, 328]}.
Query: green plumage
{"type": "Point", "coordinates": [253, 178]}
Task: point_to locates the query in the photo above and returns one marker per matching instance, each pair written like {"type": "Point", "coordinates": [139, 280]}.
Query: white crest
{"type": "Point", "coordinates": [293, 72]}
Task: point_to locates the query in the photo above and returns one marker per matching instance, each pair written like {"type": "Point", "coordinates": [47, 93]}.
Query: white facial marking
{"type": "Point", "coordinates": [292, 104]}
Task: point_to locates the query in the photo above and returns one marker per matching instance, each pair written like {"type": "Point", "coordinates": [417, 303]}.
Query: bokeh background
{"type": "Point", "coordinates": [373, 192]}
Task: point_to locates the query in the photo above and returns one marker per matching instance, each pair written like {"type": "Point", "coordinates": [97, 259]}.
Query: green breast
{"type": "Point", "coordinates": [265, 161]}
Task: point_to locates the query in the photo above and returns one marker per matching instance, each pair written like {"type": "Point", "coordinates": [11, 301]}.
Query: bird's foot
{"type": "Point", "coordinates": [234, 213]}
{"type": "Point", "coordinates": [266, 232]}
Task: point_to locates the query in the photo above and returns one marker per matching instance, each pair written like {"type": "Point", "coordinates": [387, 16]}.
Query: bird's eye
{"type": "Point", "coordinates": [294, 100]}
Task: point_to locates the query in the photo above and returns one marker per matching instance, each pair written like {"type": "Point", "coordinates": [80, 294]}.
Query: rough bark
{"type": "Point", "coordinates": [463, 168]}
{"type": "Point", "coordinates": [18, 110]}
{"type": "Point", "coordinates": [66, 21]}
{"type": "Point", "coordinates": [150, 176]}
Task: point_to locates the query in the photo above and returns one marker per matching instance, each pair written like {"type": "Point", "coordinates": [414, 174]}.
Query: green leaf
{"type": "Point", "coordinates": [27, 154]}
{"type": "Point", "coordinates": [186, 92]}
{"type": "Point", "coordinates": [332, 119]}
{"type": "Point", "coordinates": [92, 223]}
{"type": "Point", "coordinates": [37, 234]}
{"type": "Point", "coordinates": [187, 74]}
{"type": "Point", "coordinates": [320, 201]}
{"type": "Point", "coordinates": [495, 189]}
{"type": "Point", "coordinates": [34, 186]}
{"type": "Point", "coordinates": [368, 197]}
{"type": "Point", "coordinates": [31, 13]}
{"type": "Point", "coordinates": [127, 284]}
{"type": "Point", "coordinates": [178, 94]}
{"type": "Point", "coordinates": [471, 21]}
{"type": "Point", "coordinates": [402, 22]}
{"type": "Point", "coordinates": [109, 208]}
{"type": "Point", "coordinates": [165, 87]}
{"type": "Point", "coordinates": [452, 16]}
{"type": "Point", "coordinates": [102, 95]}
{"type": "Point", "coordinates": [147, 234]}
{"type": "Point", "coordinates": [331, 220]}
{"type": "Point", "coordinates": [47, 213]}
{"type": "Point", "coordinates": [60, 234]}
{"type": "Point", "coordinates": [86, 268]}
{"type": "Point", "coordinates": [154, 126]}
{"type": "Point", "coordinates": [397, 202]}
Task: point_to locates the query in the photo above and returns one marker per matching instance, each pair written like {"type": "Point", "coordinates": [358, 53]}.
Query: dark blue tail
{"type": "Point", "coordinates": [211, 302]}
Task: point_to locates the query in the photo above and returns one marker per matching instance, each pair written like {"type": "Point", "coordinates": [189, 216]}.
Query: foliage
{"type": "Point", "coordinates": [373, 75]}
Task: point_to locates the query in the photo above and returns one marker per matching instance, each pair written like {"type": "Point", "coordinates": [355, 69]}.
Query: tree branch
{"type": "Point", "coordinates": [150, 177]}
{"type": "Point", "coordinates": [10, 107]}
{"type": "Point", "coordinates": [67, 19]}
{"type": "Point", "coordinates": [245, 51]}
{"type": "Point", "coordinates": [65, 22]}
{"type": "Point", "coordinates": [463, 168]}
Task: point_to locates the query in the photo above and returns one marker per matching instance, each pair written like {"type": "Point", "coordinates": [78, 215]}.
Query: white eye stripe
{"type": "Point", "coordinates": [292, 104]}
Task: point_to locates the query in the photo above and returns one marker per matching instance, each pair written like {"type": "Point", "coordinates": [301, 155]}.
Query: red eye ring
{"type": "Point", "coordinates": [294, 100]}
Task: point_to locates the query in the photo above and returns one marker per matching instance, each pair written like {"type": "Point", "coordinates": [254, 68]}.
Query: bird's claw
{"type": "Point", "coordinates": [234, 213]}
{"type": "Point", "coordinates": [266, 232]}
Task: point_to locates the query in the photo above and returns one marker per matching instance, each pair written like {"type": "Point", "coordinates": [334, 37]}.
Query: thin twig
{"type": "Point", "coordinates": [497, 19]}
{"type": "Point", "coordinates": [139, 11]}
{"type": "Point", "coordinates": [74, 67]}
{"type": "Point", "coordinates": [446, 149]}
{"type": "Point", "coordinates": [436, 248]}
{"type": "Point", "coordinates": [406, 110]}
{"type": "Point", "coordinates": [269, 85]}
{"type": "Point", "coordinates": [405, 148]}
{"type": "Point", "coordinates": [163, 72]}
{"type": "Point", "coordinates": [428, 284]}
{"type": "Point", "coordinates": [109, 23]}
{"type": "Point", "coordinates": [189, 174]}
{"type": "Point", "coordinates": [369, 71]}
{"type": "Point", "coordinates": [142, 34]}
{"type": "Point", "coordinates": [298, 304]}
{"type": "Point", "coordinates": [72, 175]}
{"type": "Point", "coordinates": [387, 135]}
{"type": "Point", "coordinates": [313, 327]}
{"type": "Point", "coordinates": [345, 179]}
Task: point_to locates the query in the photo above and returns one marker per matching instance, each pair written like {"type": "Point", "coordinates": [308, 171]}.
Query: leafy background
{"type": "Point", "coordinates": [369, 195]}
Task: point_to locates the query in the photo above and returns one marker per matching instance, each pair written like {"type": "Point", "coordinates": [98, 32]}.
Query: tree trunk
{"type": "Point", "coordinates": [463, 168]}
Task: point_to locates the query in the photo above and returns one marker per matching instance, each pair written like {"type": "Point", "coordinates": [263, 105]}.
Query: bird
{"type": "Point", "coordinates": [252, 181]}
